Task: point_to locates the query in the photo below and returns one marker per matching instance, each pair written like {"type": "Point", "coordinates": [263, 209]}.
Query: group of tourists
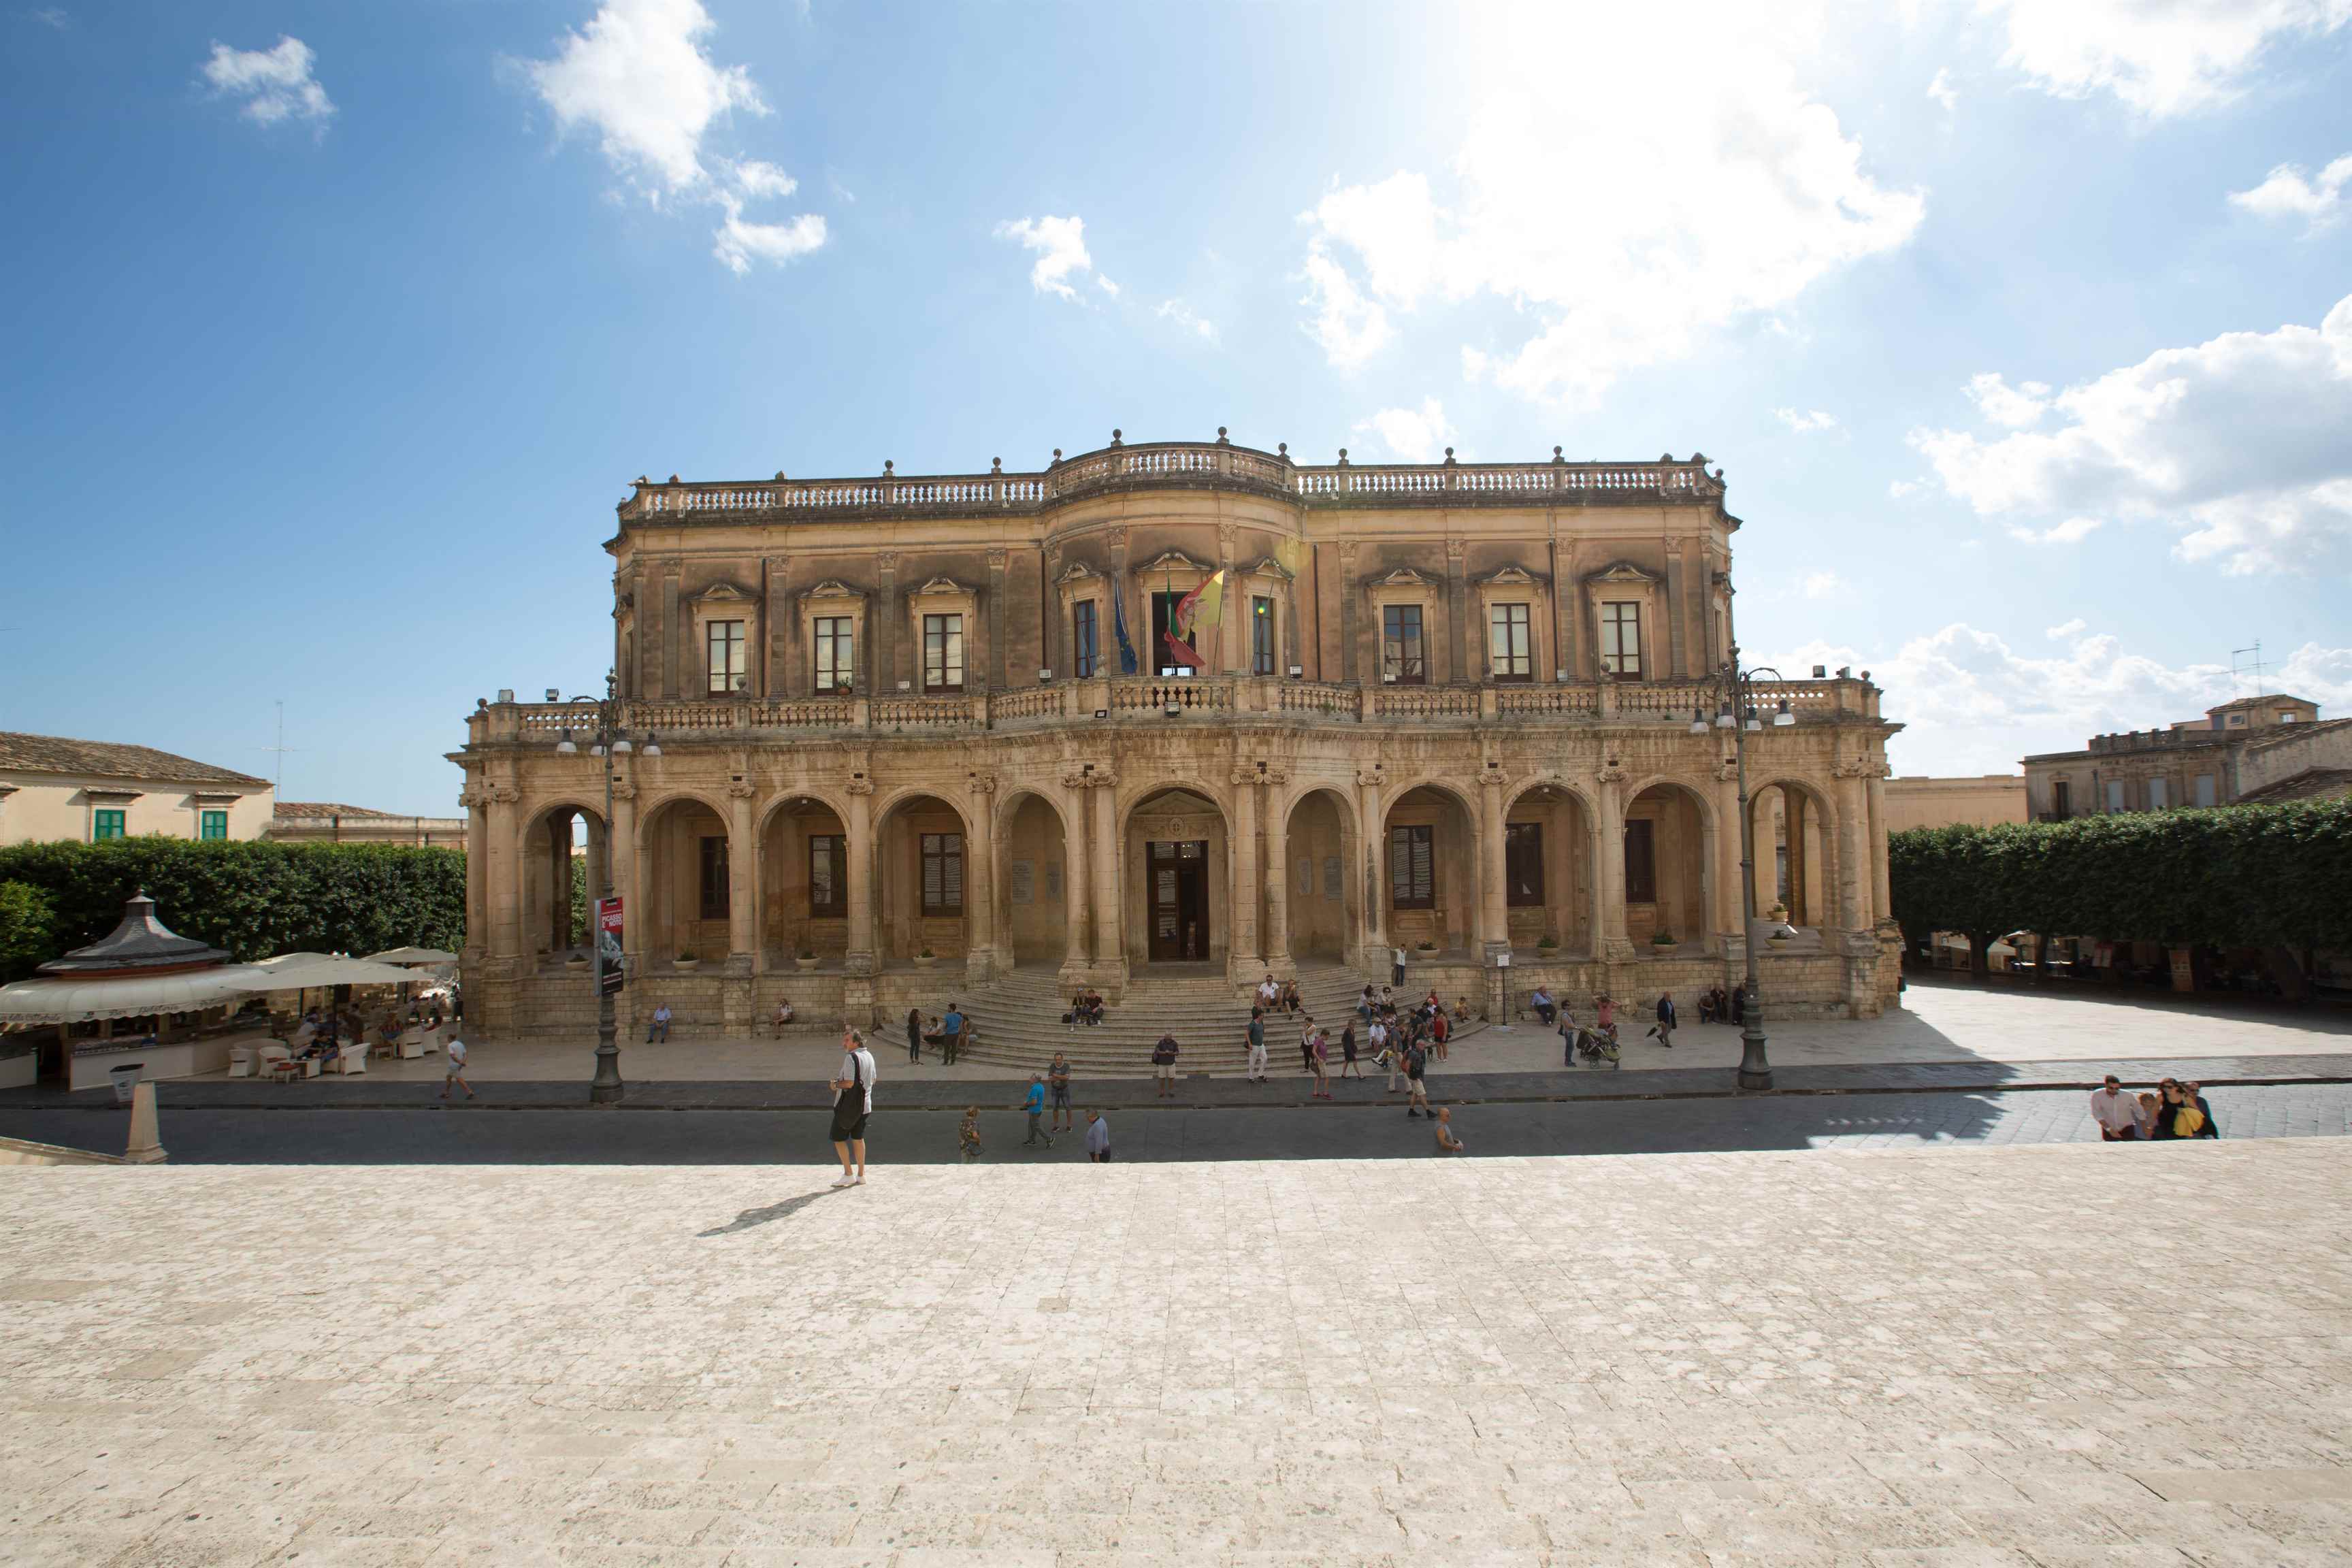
{"type": "Point", "coordinates": [2175, 1109]}
{"type": "Point", "coordinates": [950, 1031]}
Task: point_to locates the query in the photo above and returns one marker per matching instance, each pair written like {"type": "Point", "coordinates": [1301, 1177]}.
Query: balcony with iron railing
{"type": "Point", "coordinates": [1180, 465]}
{"type": "Point", "coordinates": [1232, 700]}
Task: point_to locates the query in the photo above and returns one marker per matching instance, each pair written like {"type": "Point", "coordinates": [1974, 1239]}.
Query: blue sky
{"type": "Point", "coordinates": [339, 329]}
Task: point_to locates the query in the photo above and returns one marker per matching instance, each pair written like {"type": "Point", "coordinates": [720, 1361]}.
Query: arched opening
{"type": "Point", "coordinates": [1547, 872]}
{"type": "Point", "coordinates": [1178, 904]}
{"type": "Point", "coordinates": [1324, 902]}
{"type": "Point", "coordinates": [1666, 855]}
{"type": "Point", "coordinates": [1433, 859]}
{"type": "Point", "coordinates": [803, 883]}
{"type": "Point", "coordinates": [688, 881]}
{"type": "Point", "coordinates": [562, 861]}
{"type": "Point", "coordinates": [1032, 882]}
{"type": "Point", "coordinates": [1795, 850]}
{"type": "Point", "coordinates": [921, 883]}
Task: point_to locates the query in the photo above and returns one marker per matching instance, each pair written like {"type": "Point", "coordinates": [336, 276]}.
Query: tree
{"type": "Point", "coordinates": [28, 918]}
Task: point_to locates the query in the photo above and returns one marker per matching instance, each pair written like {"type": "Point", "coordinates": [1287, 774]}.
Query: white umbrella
{"type": "Point", "coordinates": [416, 957]}
{"type": "Point", "coordinates": [71, 1000]}
{"type": "Point", "coordinates": [301, 972]}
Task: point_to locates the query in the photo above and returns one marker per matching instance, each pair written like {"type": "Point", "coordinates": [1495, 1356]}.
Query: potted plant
{"type": "Point", "coordinates": [1662, 940]}
{"type": "Point", "coordinates": [1424, 946]}
{"type": "Point", "coordinates": [805, 958]}
{"type": "Point", "coordinates": [926, 958]}
{"type": "Point", "coordinates": [1548, 944]}
{"type": "Point", "coordinates": [686, 959]}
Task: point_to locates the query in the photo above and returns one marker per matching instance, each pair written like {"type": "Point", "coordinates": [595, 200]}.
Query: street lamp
{"type": "Point", "coordinates": [603, 719]}
{"type": "Point", "coordinates": [1740, 713]}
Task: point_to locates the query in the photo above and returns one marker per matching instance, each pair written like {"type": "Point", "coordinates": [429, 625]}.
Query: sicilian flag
{"type": "Point", "coordinates": [1118, 627]}
{"type": "Point", "coordinates": [1203, 607]}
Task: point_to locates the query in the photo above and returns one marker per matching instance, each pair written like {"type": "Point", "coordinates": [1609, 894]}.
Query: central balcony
{"type": "Point", "coordinates": [1219, 700]}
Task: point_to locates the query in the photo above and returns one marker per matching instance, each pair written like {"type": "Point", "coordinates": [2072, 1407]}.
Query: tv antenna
{"type": "Point", "coordinates": [2255, 665]}
{"type": "Point", "coordinates": [281, 749]}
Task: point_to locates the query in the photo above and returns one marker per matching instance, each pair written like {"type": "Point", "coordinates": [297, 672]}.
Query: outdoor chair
{"type": "Point", "coordinates": [244, 1059]}
{"type": "Point", "coordinates": [353, 1060]}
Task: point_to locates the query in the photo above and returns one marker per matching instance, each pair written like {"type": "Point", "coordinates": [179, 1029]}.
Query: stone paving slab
{"type": "Point", "coordinates": [2026, 1356]}
{"type": "Point", "coordinates": [1202, 1091]}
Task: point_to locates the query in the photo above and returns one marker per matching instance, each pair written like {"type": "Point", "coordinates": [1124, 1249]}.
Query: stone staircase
{"type": "Point", "coordinates": [1019, 1022]}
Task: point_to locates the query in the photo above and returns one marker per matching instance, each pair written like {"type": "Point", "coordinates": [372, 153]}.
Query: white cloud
{"type": "Point", "coordinates": [2161, 57]}
{"type": "Point", "coordinates": [2015, 406]}
{"type": "Point", "coordinates": [1412, 434]}
{"type": "Point", "coordinates": [1806, 421]}
{"type": "Point", "coordinates": [1672, 224]}
{"type": "Point", "coordinates": [753, 178]}
{"type": "Point", "coordinates": [639, 76]}
{"type": "Point", "coordinates": [1943, 93]}
{"type": "Point", "coordinates": [2065, 630]}
{"type": "Point", "coordinates": [737, 243]}
{"type": "Point", "coordinates": [1105, 285]}
{"type": "Point", "coordinates": [276, 83]}
{"type": "Point", "coordinates": [2073, 530]}
{"type": "Point", "coordinates": [1973, 704]}
{"type": "Point", "coordinates": [1823, 586]}
{"type": "Point", "coordinates": [1181, 314]}
{"type": "Point", "coordinates": [2289, 193]}
{"type": "Point", "coordinates": [2238, 441]}
{"type": "Point", "coordinates": [1060, 245]}
{"type": "Point", "coordinates": [51, 17]}
{"type": "Point", "coordinates": [1898, 489]}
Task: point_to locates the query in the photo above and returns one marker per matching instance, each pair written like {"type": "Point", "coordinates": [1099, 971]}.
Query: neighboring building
{"type": "Point", "coordinates": [2236, 750]}
{"type": "Point", "coordinates": [1449, 704]}
{"type": "Point", "coordinates": [310, 821]}
{"type": "Point", "coordinates": [1985, 801]}
{"type": "Point", "coordinates": [53, 788]}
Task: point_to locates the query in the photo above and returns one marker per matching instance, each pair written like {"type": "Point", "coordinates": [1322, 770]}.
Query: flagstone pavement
{"type": "Point", "coordinates": [2033, 1356]}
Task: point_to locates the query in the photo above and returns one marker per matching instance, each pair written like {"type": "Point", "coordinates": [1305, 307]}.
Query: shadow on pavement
{"type": "Point", "coordinates": [750, 1219]}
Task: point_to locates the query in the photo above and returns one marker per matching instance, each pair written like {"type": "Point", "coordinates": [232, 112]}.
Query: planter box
{"type": "Point", "coordinates": [804, 964]}
{"type": "Point", "coordinates": [686, 965]}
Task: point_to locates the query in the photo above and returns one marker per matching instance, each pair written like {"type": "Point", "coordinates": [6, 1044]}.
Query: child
{"type": "Point", "coordinates": [967, 1135]}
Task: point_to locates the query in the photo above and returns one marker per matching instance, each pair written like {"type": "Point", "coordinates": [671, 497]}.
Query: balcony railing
{"type": "Point", "coordinates": [1180, 464]}
{"type": "Point", "coordinates": [1235, 699]}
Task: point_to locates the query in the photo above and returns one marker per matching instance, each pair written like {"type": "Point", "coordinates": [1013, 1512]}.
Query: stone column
{"type": "Point", "coordinates": [979, 882]}
{"type": "Point", "coordinates": [1792, 832]}
{"type": "Point", "coordinates": [1730, 913]}
{"type": "Point", "coordinates": [1457, 609]}
{"type": "Point", "coordinates": [505, 873]}
{"type": "Point", "coordinates": [1494, 913]}
{"type": "Point", "coordinates": [1104, 860]}
{"type": "Point", "coordinates": [742, 868]}
{"type": "Point", "coordinates": [1074, 879]}
{"type": "Point", "coordinates": [1277, 883]}
{"type": "Point", "coordinates": [1882, 902]}
{"type": "Point", "coordinates": [881, 631]}
{"type": "Point", "coordinates": [622, 837]}
{"type": "Point", "coordinates": [1374, 828]}
{"type": "Point", "coordinates": [478, 870]}
{"type": "Point", "coordinates": [859, 959]}
{"type": "Point", "coordinates": [1608, 886]}
{"type": "Point", "coordinates": [1852, 888]}
{"type": "Point", "coordinates": [1243, 952]}
{"type": "Point", "coordinates": [1677, 605]}
{"type": "Point", "coordinates": [996, 620]}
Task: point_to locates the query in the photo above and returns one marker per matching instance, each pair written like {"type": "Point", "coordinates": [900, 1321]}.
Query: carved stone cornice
{"type": "Point", "coordinates": [503, 794]}
{"type": "Point", "coordinates": [1082, 778]}
{"type": "Point", "coordinates": [1856, 768]}
{"type": "Point", "coordinates": [473, 799]}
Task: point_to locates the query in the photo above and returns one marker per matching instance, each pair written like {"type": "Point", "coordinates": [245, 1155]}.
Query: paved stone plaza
{"type": "Point", "coordinates": [2061, 1355]}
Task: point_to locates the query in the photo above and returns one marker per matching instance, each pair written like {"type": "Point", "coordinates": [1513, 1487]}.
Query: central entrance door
{"type": "Point", "coordinates": [1179, 901]}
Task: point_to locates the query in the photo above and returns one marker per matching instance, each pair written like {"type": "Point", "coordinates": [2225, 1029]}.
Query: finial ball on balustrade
{"type": "Point", "coordinates": [1221, 436]}
{"type": "Point", "coordinates": [643, 480]}
{"type": "Point", "coordinates": [995, 465]}
{"type": "Point", "coordinates": [1057, 454]}
{"type": "Point", "coordinates": [888, 468]}
{"type": "Point", "coordinates": [1282, 449]}
{"type": "Point", "coordinates": [1114, 439]}
{"type": "Point", "coordinates": [1343, 456]}
{"type": "Point", "coordinates": [1449, 454]}
{"type": "Point", "coordinates": [674, 479]}
{"type": "Point", "coordinates": [1556, 456]}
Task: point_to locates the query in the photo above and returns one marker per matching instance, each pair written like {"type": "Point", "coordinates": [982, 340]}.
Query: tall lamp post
{"type": "Point", "coordinates": [603, 720]}
{"type": "Point", "coordinates": [1739, 712]}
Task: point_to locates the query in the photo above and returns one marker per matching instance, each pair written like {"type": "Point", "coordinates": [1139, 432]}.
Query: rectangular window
{"type": "Point", "coordinates": [1413, 883]}
{"type": "Point", "coordinates": [2287, 715]}
{"type": "Point", "coordinates": [828, 875]}
{"type": "Point", "coordinates": [2061, 799]}
{"type": "Point", "coordinates": [837, 653]}
{"type": "Point", "coordinates": [1511, 648]}
{"type": "Point", "coordinates": [714, 877]}
{"type": "Point", "coordinates": [1401, 646]}
{"type": "Point", "coordinates": [105, 825]}
{"type": "Point", "coordinates": [1523, 878]}
{"type": "Point", "coordinates": [1261, 637]}
{"type": "Point", "coordinates": [1163, 621]}
{"type": "Point", "coordinates": [1086, 640]}
{"type": "Point", "coordinates": [2159, 794]}
{"type": "Point", "coordinates": [2205, 792]}
{"type": "Point", "coordinates": [943, 873]}
{"type": "Point", "coordinates": [1641, 862]}
{"type": "Point", "coordinates": [724, 641]}
{"type": "Point", "coordinates": [2115, 794]}
{"type": "Point", "coordinates": [212, 825]}
{"type": "Point", "coordinates": [1621, 640]}
{"type": "Point", "coordinates": [943, 653]}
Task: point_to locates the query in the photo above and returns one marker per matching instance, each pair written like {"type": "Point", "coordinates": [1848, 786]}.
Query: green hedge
{"type": "Point", "coordinates": [2240, 876]}
{"type": "Point", "coordinates": [256, 899]}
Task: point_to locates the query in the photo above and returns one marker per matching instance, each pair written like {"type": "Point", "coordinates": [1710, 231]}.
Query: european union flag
{"type": "Point", "coordinates": [1118, 627]}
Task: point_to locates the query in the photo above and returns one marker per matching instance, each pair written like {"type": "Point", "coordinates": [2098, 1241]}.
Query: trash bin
{"type": "Point", "coordinates": [125, 1078]}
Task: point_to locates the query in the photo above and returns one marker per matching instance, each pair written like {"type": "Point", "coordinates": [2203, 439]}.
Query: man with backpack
{"type": "Point", "coordinates": [1416, 1061]}
{"type": "Point", "coordinates": [1164, 1067]}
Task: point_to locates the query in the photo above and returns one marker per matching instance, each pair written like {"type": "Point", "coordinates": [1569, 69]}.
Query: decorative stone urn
{"type": "Point", "coordinates": [684, 964]}
{"type": "Point", "coordinates": [804, 962]}
{"type": "Point", "coordinates": [924, 960]}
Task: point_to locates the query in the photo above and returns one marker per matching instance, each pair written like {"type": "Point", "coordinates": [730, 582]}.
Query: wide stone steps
{"type": "Point", "coordinates": [1017, 1022]}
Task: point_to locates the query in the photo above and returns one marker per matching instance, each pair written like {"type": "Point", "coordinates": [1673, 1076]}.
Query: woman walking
{"type": "Point", "coordinates": [914, 1034]}
{"type": "Point", "coordinates": [1319, 1056]}
{"type": "Point", "coordinates": [1348, 1063]}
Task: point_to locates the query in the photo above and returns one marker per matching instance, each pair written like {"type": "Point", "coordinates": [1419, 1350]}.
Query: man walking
{"type": "Point", "coordinates": [1665, 1027]}
{"type": "Point", "coordinates": [1447, 1144]}
{"type": "Point", "coordinates": [1035, 1106]}
{"type": "Point", "coordinates": [454, 1069]}
{"type": "Point", "coordinates": [1396, 966]}
{"type": "Point", "coordinates": [2116, 1113]}
{"type": "Point", "coordinates": [853, 1087]}
{"type": "Point", "coordinates": [1164, 1067]}
{"type": "Point", "coordinates": [1258, 1044]}
{"type": "Point", "coordinates": [951, 1035]}
{"type": "Point", "coordinates": [1416, 1062]}
{"type": "Point", "coordinates": [1098, 1138]}
{"type": "Point", "coordinates": [659, 1028]}
{"type": "Point", "coordinates": [1057, 1078]}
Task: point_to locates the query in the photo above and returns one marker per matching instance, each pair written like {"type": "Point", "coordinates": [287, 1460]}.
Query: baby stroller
{"type": "Point", "coordinates": [1597, 1047]}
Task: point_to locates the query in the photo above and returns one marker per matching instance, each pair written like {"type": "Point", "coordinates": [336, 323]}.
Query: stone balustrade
{"type": "Point", "coordinates": [1262, 700]}
{"type": "Point", "coordinates": [1188, 464]}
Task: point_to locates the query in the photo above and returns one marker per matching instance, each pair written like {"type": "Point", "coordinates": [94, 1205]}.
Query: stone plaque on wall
{"type": "Point", "coordinates": [1331, 883]}
{"type": "Point", "coordinates": [1024, 881]}
{"type": "Point", "coordinates": [1306, 875]}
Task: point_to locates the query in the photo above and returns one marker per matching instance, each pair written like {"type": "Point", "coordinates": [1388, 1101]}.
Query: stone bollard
{"type": "Point", "coordinates": [146, 1149]}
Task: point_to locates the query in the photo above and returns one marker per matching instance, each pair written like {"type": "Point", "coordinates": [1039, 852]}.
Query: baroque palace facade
{"type": "Point", "coordinates": [1447, 707]}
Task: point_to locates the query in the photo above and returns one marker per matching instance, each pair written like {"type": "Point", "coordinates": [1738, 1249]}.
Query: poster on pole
{"type": "Point", "coordinates": [608, 946]}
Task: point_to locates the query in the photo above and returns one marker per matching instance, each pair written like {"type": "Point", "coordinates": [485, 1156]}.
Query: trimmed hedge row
{"type": "Point", "coordinates": [254, 898]}
{"type": "Point", "coordinates": [2240, 876]}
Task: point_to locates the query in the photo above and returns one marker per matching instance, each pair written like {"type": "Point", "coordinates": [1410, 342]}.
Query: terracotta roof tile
{"type": "Point", "coordinates": [306, 808]}
{"type": "Point", "coordinates": [109, 759]}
